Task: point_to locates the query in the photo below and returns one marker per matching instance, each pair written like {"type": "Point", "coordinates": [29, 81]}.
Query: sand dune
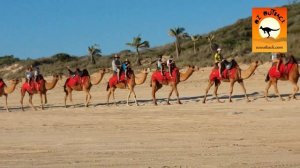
{"type": "Point", "coordinates": [238, 134]}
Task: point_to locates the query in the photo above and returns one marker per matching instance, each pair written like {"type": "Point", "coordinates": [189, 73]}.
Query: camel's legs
{"type": "Point", "coordinates": [88, 98]}
{"type": "Point", "coordinates": [295, 90]}
{"type": "Point", "coordinates": [46, 100]}
{"type": "Point", "coordinates": [267, 89]}
{"type": "Point", "coordinates": [41, 97]}
{"type": "Point", "coordinates": [244, 89]}
{"type": "Point", "coordinates": [6, 103]}
{"type": "Point", "coordinates": [210, 83]}
{"type": "Point", "coordinates": [113, 95]}
{"type": "Point", "coordinates": [276, 90]}
{"type": "Point", "coordinates": [153, 92]}
{"type": "Point", "coordinates": [108, 96]}
{"type": "Point", "coordinates": [21, 101]}
{"type": "Point", "coordinates": [231, 89]}
{"type": "Point", "coordinates": [30, 101]}
{"type": "Point", "coordinates": [70, 97]}
{"type": "Point", "coordinates": [170, 94]}
{"type": "Point", "coordinates": [177, 94]}
{"type": "Point", "coordinates": [217, 84]}
{"type": "Point", "coordinates": [128, 97]}
{"type": "Point", "coordinates": [66, 96]}
{"type": "Point", "coordinates": [134, 95]}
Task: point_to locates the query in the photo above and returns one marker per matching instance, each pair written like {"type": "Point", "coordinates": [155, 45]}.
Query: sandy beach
{"type": "Point", "coordinates": [256, 134]}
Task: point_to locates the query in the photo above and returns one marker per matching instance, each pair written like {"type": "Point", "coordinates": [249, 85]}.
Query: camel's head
{"type": "Point", "coordinates": [146, 70]}
{"type": "Point", "coordinates": [58, 76]}
{"type": "Point", "coordinates": [193, 68]}
{"type": "Point", "coordinates": [255, 63]}
{"type": "Point", "coordinates": [14, 81]}
{"type": "Point", "coordinates": [103, 70]}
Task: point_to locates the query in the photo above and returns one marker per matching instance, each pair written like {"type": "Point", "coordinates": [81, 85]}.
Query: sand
{"type": "Point", "coordinates": [239, 134]}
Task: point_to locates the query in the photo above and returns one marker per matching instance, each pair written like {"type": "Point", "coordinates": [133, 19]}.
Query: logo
{"type": "Point", "coordinates": [269, 30]}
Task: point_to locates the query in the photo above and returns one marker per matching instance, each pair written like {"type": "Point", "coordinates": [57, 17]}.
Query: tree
{"type": "Point", "coordinates": [94, 51]}
{"type": "Point", "coordinates": [138, 44]}
{"type": "Point", "coordinates": [210, 39]}
{"type": "Point", "coordinates": [178, 33]}
{"type": "Point", "coordinates": [195, 38]}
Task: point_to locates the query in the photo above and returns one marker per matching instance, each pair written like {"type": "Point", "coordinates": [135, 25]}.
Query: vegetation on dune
{"type": "Point", "coordinates": [235, 40]}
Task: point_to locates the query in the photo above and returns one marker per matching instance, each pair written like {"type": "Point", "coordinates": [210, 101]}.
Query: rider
{"type": "Point", "coordinates": [36, 73]}
{"type": "Point", "coordinates": [116, 66]}
{"type": "Point", "coordinates": [29, 75]}
{"type": "Point", "coordinates": [125, 68]}
{"type": "Point", "coordinates": [76, 72]}
{"type": "Point", "coordinates": [160, 65]}
{"type": "Point", "coordinates": [218, 60]}
{"type": "Point", "coordinates": [170, 65]}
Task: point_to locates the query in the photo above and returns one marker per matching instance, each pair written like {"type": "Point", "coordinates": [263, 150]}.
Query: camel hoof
{"type": "Point", "coordinates": [168, 103]}
{"type": "Point", "coordinates": [203, 102]}
{"type": "Point", "coordinates": [248, 100]}
{"type": "Point", "coordinates": [179, 103]}
{"type": "Point", "coordinates": [155, 104]}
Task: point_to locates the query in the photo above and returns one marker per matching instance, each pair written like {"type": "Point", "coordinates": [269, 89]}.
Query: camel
{"type": "Point", "coordinates": [5, 90]}
{"type": "Point", "coordinates": [131, 82]}
{"type": "Point", "coordinates": [177, 77]}
{"type": "Point", "coordinates": [40, 87]}
{"type": "Point", "coordinates": [83, 83]}
{"type": "Point", "coordinates": [292, 76]}
{"type": "Point", "coordinates": [236, 75]}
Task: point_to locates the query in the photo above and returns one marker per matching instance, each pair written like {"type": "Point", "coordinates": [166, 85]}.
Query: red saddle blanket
{"type": "Point", "coordinates": [114, 79]}
{"type": "Point", "coordinates": [226, 74]}
{"type": "Point", "coordinates": [284, 69]}
{"type": "Point", "coordinates": [166, 77]}
{"type": "Point", "coordinates": [33, 86]}
{"type": "Point", "coordinates": [2, 84]}
{"type": "Point", "coordinates": [76, 80]}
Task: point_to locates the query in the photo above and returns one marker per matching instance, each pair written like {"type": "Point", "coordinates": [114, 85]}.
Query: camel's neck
{"type": "Point", "coordinates": [141, 79]}
{"type": "Point", "coordinates": [96, 81]}
{"type": "Point", "coordinates": [184, 76]}
{"type": "Point", "coordinates": [52, 84]}
{"type": "Point", "coordinates": [245, 74]}
{"type": "Point", "coordinates": [10, 88]}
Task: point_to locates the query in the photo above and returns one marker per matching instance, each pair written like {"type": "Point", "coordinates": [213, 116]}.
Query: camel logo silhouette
{"type": "Point", "coordinates": [267, 30]}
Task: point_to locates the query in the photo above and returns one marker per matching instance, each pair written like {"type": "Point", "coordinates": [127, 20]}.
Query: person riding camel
{"type": "Point", "coordinates": [160, 65]}
{"type": "Point", "coordinates": [74, 73]}
{"type": "Point", "coordinates": [126, 68]}
{"type": "Point", "coordinates": [116, 66]}
{"type": "Point", "coordinates": [29, 75]}
{"type": "Point", "coordinates": [37, 73]}
{"type": "Point", "coordinates": [170, 65]}
{"type": "Point", "coordinates": [218, 60]}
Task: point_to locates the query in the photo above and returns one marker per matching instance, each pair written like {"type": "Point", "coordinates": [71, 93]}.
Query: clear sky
{"type": "Point", "coordinates": [41, 28]}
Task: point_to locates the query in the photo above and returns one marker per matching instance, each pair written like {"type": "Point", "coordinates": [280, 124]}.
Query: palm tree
{"type": "Point", "coordinates": [137, 44]}
{"type": "Point", "coordinates": [195, 38]}
{"type": "Point", "coordinates": [210, 39]}
{"type": "Point", "coordinates": [94, 50]}
{"type": "Point", "coordinates": [178, 33]}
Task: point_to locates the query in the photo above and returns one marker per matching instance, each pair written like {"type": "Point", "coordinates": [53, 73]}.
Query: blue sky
{"type": "Point", "coordinates": [41, 28]}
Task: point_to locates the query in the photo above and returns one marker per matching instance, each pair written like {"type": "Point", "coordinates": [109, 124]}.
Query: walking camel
{"type": "Point", "coordinates": [287, 72]}
{"type": "Point", "coordinates": [83, 83]}
{"type": "Point", "coordinates": [5, 90]}
{"type": "Point", "coordinates": [38, 87]}
{"type": "Point", "coordinates": [233, 75]}
{"type": "Point", "coordinates": [157, 81]}
{"type": "Point", "coordinates": [130, 83]}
